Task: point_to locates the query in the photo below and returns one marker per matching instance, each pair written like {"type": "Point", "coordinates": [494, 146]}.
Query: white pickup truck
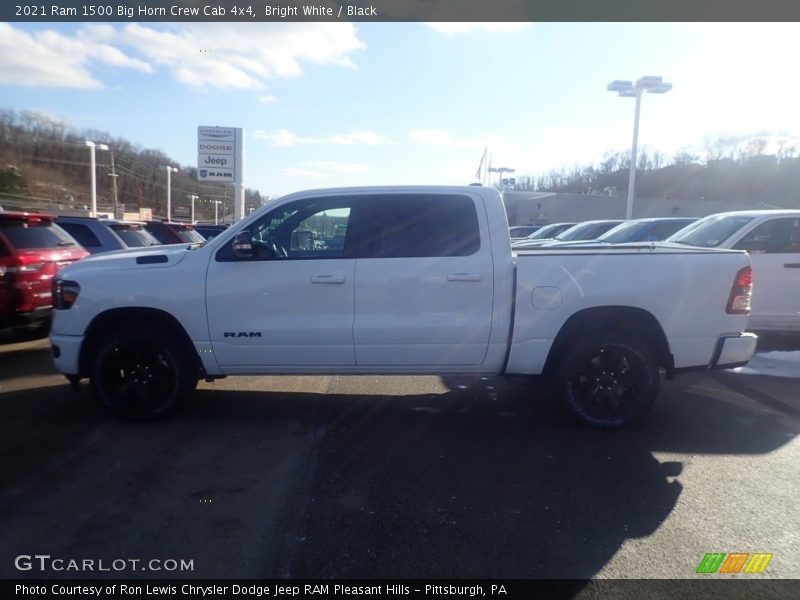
{"type": "Point", "coordinates": [398, 280]}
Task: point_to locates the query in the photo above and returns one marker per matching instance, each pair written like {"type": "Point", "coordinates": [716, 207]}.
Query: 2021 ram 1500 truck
{"type": "Point", "coordinates": [393, 280]}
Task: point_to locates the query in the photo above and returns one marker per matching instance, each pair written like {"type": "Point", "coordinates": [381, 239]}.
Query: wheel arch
{"type": "Point", "coordinates": [619, 320]}
{"type": "Point", "coordinates": [117, 318]}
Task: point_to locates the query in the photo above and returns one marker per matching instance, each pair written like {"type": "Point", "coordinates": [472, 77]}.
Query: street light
{"type": "Point", "coordinates": [501, 170]}
{"type": "Point", "coordinates": [627, 89]}
{"type": "Point", "coordinates": [170, 171]}
{"type": "Point", "coordinates": [93, 166]}
{"type": "Point", "coordinates": [216, 207]}
{"type": "Point", "coordinates": [193, 197]}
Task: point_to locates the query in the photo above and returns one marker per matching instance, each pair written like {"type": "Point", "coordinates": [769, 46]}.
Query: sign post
{"type": "Point", "coordinates": [220, 158]}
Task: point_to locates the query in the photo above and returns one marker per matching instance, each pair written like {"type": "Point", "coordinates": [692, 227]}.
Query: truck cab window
{"type": "Point", "coordinates": [419, 226]}
{"type": "Point", "coordinates": [306, 229]}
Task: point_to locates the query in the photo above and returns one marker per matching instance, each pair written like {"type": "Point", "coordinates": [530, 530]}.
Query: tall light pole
{"type": "Point", "coordinates": [192, 197]}
{"type": "Point", "coordinates": [500, 171]}
{"type": "Point", "coordinates": [216, 214]}
{"type": "Point", "coordinates": [93, 166]}
{"type": "Point", "coordinates": [170, 171]}
{"type": "Point", "coordinates": [628, 89]}
{"type": "Point", "coordinates": [113, 175]}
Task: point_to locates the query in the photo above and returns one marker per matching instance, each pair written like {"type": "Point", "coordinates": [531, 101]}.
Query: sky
{"type": "Point", "coordinates": [333, 104]}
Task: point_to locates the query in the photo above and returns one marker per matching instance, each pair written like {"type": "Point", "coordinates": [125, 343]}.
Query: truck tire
{"type": "Point", "coordinates": [142, 373]}
{"type": "Point", "coordinates": [608, 381]}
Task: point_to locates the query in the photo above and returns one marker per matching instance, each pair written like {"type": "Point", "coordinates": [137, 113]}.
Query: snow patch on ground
{"type": "Point", "coordinates": [774, 364]}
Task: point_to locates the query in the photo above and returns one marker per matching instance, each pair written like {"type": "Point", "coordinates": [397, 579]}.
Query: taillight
{"type": "Point", "coordinates": [741, 293]}
{"type": "Point", "coordinates": [65, 293]}
{"type": "Point", "coordinates": [25, 263]}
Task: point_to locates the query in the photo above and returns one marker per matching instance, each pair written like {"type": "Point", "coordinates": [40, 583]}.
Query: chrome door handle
{"type": "Point", "coordinates": [327, 279]}
{"type": "Point", "coordinates": [464, 277]}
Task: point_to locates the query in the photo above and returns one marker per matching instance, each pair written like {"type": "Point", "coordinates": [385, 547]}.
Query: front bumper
{"type": "Point", "coordinates": [733, 351]}
{"type": "Point", "coordinates": [66, 352]}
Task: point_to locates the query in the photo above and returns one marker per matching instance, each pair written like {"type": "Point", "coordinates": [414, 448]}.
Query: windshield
{"type": "Point", "coordinates": [711, 231]}
{"type": "Point", "coordinates": [549, 231]}
{"type": "Point", "coordinates": [585, 231]}
{"type": "Point", "coordinates": [630, 231]}
{"type": "Point", "coordinates": [522, 231]}
{"type": "Point", "coordinates": [134, 236]}
{"type": "Point", "coordinates": [27, 235]}
{"type": "Point", "coordinates": [191, 236]}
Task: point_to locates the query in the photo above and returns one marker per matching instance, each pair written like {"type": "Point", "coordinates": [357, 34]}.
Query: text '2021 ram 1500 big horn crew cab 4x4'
{"type": "Point", "coordinates": [398, 280]}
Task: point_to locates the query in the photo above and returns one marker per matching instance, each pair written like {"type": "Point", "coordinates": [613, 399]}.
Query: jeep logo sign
{"type": "Point", "coordinates": [208, 160]}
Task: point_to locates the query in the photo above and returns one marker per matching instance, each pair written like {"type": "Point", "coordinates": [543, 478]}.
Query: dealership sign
{"type": "Point", "coordinates": [219, 154]}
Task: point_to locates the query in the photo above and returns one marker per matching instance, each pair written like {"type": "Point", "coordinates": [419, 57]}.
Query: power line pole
{"type": "Point", "coordinates": [114, 176]}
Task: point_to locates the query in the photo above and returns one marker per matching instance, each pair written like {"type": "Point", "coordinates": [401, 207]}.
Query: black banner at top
{"type": "Point", "coordinates": [247, 11]}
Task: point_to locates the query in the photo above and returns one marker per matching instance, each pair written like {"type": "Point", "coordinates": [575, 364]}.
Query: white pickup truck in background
{"type": "Point", "coordinates": [772, 238]}
{"type": "Point", "coordinates": [398, 280]}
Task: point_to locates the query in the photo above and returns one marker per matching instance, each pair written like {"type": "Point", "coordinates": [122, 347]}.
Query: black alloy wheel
{"type": "Point", "coordinates": [608, 381]}
{"type": "Point", "coordinates": [142, 374]}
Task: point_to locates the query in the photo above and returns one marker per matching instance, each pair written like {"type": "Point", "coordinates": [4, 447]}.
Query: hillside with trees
{"type": "Point", "coordinates": [728, 169]}
{"type": "Point", "coordinates": [44, 164]}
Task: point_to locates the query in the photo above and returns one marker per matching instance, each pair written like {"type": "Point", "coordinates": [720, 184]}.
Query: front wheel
{"type": "Point", "coordinates": [142, 373]}
{"type": "Point", "coordinates": [608, 381]}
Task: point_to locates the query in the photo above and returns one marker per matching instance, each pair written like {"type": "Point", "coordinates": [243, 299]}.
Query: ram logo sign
{"type": "Point", "coordinates": [735, 562]}
{"type": "Point", "coordinates": [241, 334]}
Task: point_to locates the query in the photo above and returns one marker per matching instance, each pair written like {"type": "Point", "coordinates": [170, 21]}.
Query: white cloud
{"type": "Point", "coordinates": [739, 79]}
{"type": "Point", "coordinates": [267, 99]}
{"type": "Point", "coordinates": [242, 55]}
{"type": "Point", "coordinates": [222, 55]}
{"type": "Point", "coordinates": [50, 59]}
{"type": "Point", "coordinates": [452, 29]}
{"type": "Point", "coordinates": [285, 139]}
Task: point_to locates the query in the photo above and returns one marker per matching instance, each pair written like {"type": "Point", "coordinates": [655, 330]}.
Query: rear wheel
{"type": "Point", "coordinates": [608, 380]}
{"type": "Point", "coordinates": [143, 373]}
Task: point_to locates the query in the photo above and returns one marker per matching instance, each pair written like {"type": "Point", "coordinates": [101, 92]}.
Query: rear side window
{"type": "Point", "coordinates": [401, 226]}
{"type": "Point", "coordinates": [83, 234]}
{"type": "Point", "coordinates": [777, 236]}
{"type": "Point", "coordinates": [27, 235]}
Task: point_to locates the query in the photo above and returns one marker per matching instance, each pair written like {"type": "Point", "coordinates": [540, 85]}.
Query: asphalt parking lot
{"type": "Point", "coordinates": [399, 477]}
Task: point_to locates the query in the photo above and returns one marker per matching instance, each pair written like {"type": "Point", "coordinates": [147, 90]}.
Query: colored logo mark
{"type": "Point", "coordinates": [735, 562]}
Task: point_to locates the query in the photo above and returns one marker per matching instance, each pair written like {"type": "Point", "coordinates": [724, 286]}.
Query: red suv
{"type": "Point", "coordinates": [32, 249]}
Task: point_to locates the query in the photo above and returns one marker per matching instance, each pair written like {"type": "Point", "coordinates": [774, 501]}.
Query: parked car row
{"type": "Point", "coordinates": [33, 247]}
{"type": "Point", "coordinates": [604, 232]}
{"type": "Point", "coordinates": [771, 237]}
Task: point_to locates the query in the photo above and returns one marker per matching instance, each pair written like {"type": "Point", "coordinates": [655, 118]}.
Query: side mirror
{"type": "Point", "coordinates": [243, 244]}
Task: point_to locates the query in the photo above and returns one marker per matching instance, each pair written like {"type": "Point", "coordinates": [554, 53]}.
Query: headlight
{"type": "Point", "coordinates": [65, 293]}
